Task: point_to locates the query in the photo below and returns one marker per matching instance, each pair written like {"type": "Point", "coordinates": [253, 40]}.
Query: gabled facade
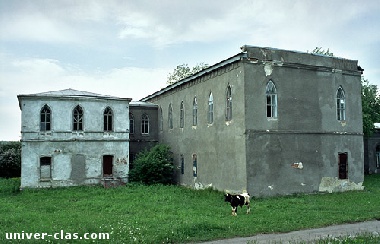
{"type": "Point", "coordinates": [72, 137]}
{"type": "Point", "coordinates": [268, 121]}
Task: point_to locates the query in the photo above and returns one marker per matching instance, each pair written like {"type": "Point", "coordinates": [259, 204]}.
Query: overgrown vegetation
{"type": "Point", "coordinates": [172, 214]}
{"type": "Point", "coordinates": [153, 167]}
{"type": "Point", "coordinates": [10, 159]}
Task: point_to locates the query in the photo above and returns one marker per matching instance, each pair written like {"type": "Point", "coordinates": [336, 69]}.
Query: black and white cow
{"type": "Point", "coordinates": [238, 200]}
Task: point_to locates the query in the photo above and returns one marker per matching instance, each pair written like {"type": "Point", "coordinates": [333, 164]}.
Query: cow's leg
{"type": "Point", "coordinates": [234, 211]}
{"type": "Point", "coordinates": [248, 208]}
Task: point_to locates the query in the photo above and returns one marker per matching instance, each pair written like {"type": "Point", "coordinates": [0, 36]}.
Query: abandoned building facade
{"type": "Point", "coordinates": [266, 120]}
{"type": "Point", "coordinates": [72, 137]}
{"type": "Point", "coordinates": [372, 152]}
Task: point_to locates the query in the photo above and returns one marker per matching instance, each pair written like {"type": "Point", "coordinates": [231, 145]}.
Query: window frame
{"type": "Point", "coordinates": [131, 123]}
{"type": "Point", "coordinates": [195, 111]}
{"type": "Point", "coordinates": [170, 116]}
{"type": "Point", "coordinates": [271, 100]}
{"type": "Point", "coordinates": [181, 115]}
{"type": "Point", "coordinates": [108, 119]}
{"type": "Point", "coordinates": [45, 118]}
{"type": "Point", "coordinates": [210, 114]}
{"type": "Point", "coordinates": [78, 118]}
{"type": "Point", "coordinates": [145, 124]}
{"type": "Point", "coordinates": [340, 104]}
{"type": "Point", "coordinates": [228, 103]}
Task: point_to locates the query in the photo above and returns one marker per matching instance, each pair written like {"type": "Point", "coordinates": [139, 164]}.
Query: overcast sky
{"type": "Point", "coordinates": [127, 48]}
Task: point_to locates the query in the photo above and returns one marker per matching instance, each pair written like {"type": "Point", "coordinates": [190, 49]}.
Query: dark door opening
{"type": "Point", "coordinates": [343, 167]}
{"type": "Point", "coordinates": [107, 165]}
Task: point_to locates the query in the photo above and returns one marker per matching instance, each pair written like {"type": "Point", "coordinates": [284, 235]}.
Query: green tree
{"type": "Point", "coordinates": [10, 159]}
{"type": "Point", "coordinates": [370, 107]}
{"type": "Point", "coordinates": [153, 167]}
{"type": "Point", "coordinates": [183, 71]}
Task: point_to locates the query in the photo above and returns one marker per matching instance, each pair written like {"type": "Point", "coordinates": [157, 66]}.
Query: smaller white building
{"type": "Point", "coordinates": [72, 137]}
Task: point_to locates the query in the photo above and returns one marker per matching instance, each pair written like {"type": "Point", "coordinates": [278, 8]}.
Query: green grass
{"type": "Point", "coordinates": [173, 214]}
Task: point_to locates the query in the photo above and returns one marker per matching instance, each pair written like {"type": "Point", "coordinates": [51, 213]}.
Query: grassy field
{"type": "Point", "coordinates": [171, 214]}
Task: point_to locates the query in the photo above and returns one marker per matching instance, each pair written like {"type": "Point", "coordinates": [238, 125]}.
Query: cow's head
{"type": "Point", "coordinates": [227, 197]}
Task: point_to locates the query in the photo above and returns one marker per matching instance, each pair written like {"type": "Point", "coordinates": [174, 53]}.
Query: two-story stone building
{"type": "Point", "coordinates": [268, 121]}
{"type": "Point", "coordinates": [72, 137]}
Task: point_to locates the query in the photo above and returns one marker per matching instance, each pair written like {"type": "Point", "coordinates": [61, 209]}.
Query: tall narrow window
{"type": "Point", "coordinates": [45, 168]}
{"type": "Point", "coordinates": [131, 123]}
{"type": "Point", "coordinates": [340, 104]}
{"type": "Point", "coordinates": [210, 109]}
{"type": "Point", "coordinates": [195, 166]}
{"type": "Point", "coordinates": [144, 124]}
{"type": "Point", "coordinates": [78, 118]}
{"type": "Point", "coordinates": [378, 156]}
{"type": "Point", "coordinates": [228, 104]}
{"type": "Point", "coordinates": [108, 118]}
{"type": "Point", "coordinates": [195, 112]}
{"type": "Point", "coordinates": [181, 115]}
{"type": "Point", "coordinates": [343, 166]}
{"type": "Point", "coordinates": [170, 116]}
{"type": "Point", "coordinates": [182, 164]}
{"type": "Point", "coordinates": [45, 122]}
{"type": "Point", "coordinates": [271, 94]}
{"type": "Point", "coordinates": [161, 119]}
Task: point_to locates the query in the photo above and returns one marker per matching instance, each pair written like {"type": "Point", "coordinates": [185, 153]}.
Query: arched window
{"type": "Point", "coordinates": [195, 112]}
{"type": "Point", "coordinates": [228, 103]}
{"type": "Point", "coordinates": [340, 104]}
{"type": "Point", "coordinates": [181, 115]}
{"type": "Point", "coordinates": [210, 116]}
{"type": "Point", "coordinates": [170, 116]}
{"type": "Point", "coordinates": [45, 122]}
{"type": "Point", "coordinates": [78, 118]}
{"type": "Point", "coordinates": [131, 123]}
{"type": "Point", "coordinates": [108, 119]}
{"type": "Point", "coordinates": [144, 124]}
{"type": "Point", "coordinates": [271, 94]}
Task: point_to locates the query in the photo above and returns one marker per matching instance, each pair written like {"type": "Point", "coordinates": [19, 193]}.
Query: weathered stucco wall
{"type": "Point", "coordinates": [219, 146]}
{"type": "Point", "coordinates": [306, 129]}
{"type": "Point", "coordinates": [76, 157]}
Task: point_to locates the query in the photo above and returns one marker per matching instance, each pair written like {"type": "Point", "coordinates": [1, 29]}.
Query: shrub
{"type": "Point", "coordinates": [10, 159]}
{"type": "Point", "coordinates": [153, 167]}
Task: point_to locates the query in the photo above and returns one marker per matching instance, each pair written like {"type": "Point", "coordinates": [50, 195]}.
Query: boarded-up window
{"type": "Point", "coordinates": [45, 168]}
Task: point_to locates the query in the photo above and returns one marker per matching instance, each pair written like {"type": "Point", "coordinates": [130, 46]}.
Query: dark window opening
{"type": "Point", "coordinates": [107, 165]}
{"type": "Point", "coordinates": [170, 116]}
{"type": "Point", "coordinates": [108, 117]}
{"type": "Point", "coordinates": [271, 95]}
{"type": "Point", "coordinates": [378, 156]}
{"type": "Point", "coordinates": [181, 116]}
{"type": "Point", "coordinates": [195, 111]}
{"type": "Point", "coordinates": [45, 121]}
{"type": "Point", "coordinates": [182, 165]}
{"type": "Point", "coordinates": [195, 166]}
{"type": "Point", "coordinates": [343, 166]}
{"type": "Point", "coordinates": [78, 118]}
{"type": "Point", "coordinates": [145, 124]}
{"type": "Point", "coordinates": [131, 123]}
{"type": "Point", "coordinates": [229, 104]}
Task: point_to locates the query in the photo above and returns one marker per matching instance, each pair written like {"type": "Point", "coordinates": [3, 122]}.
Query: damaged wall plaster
{"type": "Point", "coordinates": [333, 184]}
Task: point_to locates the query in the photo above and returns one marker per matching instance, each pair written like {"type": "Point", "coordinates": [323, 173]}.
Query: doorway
{"type": "Point", "coordinates": [107, 165]}
{"type": "Point", "coordinates": [343, 166]}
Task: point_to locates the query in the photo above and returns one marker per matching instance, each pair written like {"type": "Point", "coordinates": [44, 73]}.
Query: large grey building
{"type": "Point", "coordinates": [265, 120]}
{"type": "Point", "coordinates": [268, 121]}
